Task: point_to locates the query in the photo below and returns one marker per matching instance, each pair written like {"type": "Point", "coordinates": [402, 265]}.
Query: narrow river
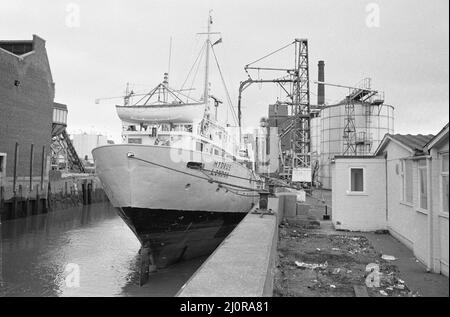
{"type": "Point", "coordinates": [83, 251]}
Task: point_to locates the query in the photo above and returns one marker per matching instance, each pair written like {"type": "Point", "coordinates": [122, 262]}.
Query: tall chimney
{"type": "Point", "coordinates": [321, 87]}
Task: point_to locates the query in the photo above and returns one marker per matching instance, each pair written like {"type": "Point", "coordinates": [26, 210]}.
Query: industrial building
{"type": "Point", "coordinates": [26, 110]}
{"type": "Point", "coordinates": [33, 137]}
{"type": "Point", "coordinates": [402, 188]}
{"type": "Point", "coordinates": [354, 126]}
{"type": "Point", "coordinates": [371, 123]}
{"type": "Point", "coordinates": [84, 143]}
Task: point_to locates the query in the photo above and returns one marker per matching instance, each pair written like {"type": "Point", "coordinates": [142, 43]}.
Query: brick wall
{"type": "Point", "coordinates": [25, 110]}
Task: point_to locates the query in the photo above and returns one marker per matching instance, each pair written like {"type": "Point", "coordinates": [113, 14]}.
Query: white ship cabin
{"type": "Point", "coordinates": [182, 135]}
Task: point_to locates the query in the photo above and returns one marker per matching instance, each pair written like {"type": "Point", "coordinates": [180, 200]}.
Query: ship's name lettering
{"type": "Point", "coordinates": [221, 169]}
{"type": "Point", "coordinates": [222, 165]}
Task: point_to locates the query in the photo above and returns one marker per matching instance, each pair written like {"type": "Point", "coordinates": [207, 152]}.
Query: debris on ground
{"type": "Point", "coordinates": [316, 264]}
{"type": "Point", "coordinates": [311, 266]}
{"type": "Point", "coordinates": [388, 257]}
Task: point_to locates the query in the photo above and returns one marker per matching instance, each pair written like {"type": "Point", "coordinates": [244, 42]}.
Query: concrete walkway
{"type": "Point", "coordinates": [412, 271]}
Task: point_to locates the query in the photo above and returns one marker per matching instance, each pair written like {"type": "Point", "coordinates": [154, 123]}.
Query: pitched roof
{"type": "Point", "coordinates": [438, 137]}
{"type": "Point", "coordinates": [415, 143]}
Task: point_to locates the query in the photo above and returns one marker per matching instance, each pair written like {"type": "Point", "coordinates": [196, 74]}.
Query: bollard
{"type": "Point", "coordinates": [84, 193]}
{"type": "Point", "coordinates": [89, 194]}
{"type": "Point", "coordinates": [326, 216]}
{"type": "Point", "coordinates": [2, 202]}
{"type": "Point", "coordinates": [263, 200]}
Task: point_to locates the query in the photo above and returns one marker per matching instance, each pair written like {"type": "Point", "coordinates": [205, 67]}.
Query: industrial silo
{"type": "Point", "coordinates": [371, 122]}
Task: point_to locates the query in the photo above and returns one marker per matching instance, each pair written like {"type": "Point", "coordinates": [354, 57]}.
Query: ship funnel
{"type": "Point", "coordinates": [321, 87]}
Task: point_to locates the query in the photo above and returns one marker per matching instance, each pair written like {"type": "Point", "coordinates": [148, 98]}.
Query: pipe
{"type": "Point", "coordinates": [430, 216]}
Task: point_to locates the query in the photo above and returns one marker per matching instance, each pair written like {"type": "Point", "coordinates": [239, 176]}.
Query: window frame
{"type": "Point", "coordinates": [404, 196]}
{"type": "Point", "coordinates": [356, 193]}
{"type": "Point", "coordinates": [419, 185]}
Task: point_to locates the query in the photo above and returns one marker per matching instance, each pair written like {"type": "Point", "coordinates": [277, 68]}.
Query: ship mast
{"type": "Point", "coordinates": [208, 43]}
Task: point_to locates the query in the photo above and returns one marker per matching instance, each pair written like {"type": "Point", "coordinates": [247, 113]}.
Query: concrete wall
{"type": "Point", "coordinates": [244, 264]}
{"type": "Point", "coordinates": [362, 211]}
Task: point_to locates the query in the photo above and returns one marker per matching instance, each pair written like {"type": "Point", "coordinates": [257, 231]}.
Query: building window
{"type": "Point", "coordinates": [444, 176]}
{"type": "Point", "coordinates": [423, 188]}
{"type": "Point", "coordinates": [407, 181]}
{"type": "Point", "coordinates": [357, 180]}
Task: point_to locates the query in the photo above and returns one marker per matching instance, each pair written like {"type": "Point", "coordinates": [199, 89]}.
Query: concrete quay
{"type": "Point", "coordinates": [244, 264]}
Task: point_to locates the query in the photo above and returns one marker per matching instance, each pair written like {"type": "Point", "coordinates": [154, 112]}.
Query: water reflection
{"type": "Point", "coordinates": [94, 242]}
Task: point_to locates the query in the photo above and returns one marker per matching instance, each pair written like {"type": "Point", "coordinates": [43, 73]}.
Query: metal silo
{"type": "Point", "coordinates": [371, 122]}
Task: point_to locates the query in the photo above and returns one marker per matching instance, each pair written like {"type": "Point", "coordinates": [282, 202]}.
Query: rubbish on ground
{"type": "Point", "coordinates": [336, 271]}
{"type": "Point", "coordinates": [317, 249]}
{"type": "Point", "coordinates": [390, 288]}
{"type": "Point", "coordinates": [373, 279]}
{"type": "Point", "coordinates": [400, 286]}
{"type": "Point", "coordinates": [388, 257]}
{"type": "Point", "coordinates": [311, 266]}
{"type": "Point", "coordinates": [333, 286]}
{"type": "Point", "coordinates": [383, 293]}
{"type": "Point", "coordinates": [401, 281]}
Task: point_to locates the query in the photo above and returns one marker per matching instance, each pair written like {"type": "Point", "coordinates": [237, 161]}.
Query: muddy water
{"type": "Point", "coordinates": [85, 251]}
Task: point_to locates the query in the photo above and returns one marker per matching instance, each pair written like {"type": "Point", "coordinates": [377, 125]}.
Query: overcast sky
{"type": "Point", "coordinates": [405, 52]}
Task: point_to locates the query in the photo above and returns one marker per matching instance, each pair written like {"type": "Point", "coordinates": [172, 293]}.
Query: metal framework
{"type": "Point", "coordinates": [299, 154]}
{"type": "Point", "coordinates": [63, 154]}
{"type": "Point", "coordinates": [358, 143]}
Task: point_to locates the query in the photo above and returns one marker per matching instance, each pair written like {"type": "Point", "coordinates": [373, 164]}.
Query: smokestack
{"type": "Point", "coordinates": [321, 87]}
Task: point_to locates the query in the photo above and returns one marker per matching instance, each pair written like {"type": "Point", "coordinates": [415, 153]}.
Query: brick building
{"type": "Point", "coordinates": [26, 108]}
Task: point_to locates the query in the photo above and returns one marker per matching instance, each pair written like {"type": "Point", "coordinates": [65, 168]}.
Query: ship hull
{"type": "Point", "coordinates": [176, 211]}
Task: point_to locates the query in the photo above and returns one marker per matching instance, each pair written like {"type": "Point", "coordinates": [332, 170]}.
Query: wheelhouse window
{"type": "Point", "coordinates": [134, 140]}
{"type": "Point", "coordinates": [444, 182]}
{"type": "Point", "coordinates": [357, 180]}
{"type": "Point", "coordinates": [423, 186]}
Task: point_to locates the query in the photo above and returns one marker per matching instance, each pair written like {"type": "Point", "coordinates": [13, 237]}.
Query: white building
{"type": "Point", "coordinates": [403, 188]}
{"type": "Point", "coordinates": [84, 143]}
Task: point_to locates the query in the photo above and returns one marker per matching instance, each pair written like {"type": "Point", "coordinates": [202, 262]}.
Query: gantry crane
{"type": "Point", "coordinates": [297, 160]}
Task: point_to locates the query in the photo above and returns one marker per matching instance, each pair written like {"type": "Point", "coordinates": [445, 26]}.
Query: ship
{"type": "Point", "coordinates": [180, 180]}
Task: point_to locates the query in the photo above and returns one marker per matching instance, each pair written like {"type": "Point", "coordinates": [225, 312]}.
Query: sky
{"type": "Point", "coordinates": [96, 47]}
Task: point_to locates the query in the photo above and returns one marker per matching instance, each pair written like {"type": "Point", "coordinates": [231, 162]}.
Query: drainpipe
{"type": "Point", "coordinates": [387, 189]}
{"type": "Point", "coordinates": [430, 216]}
